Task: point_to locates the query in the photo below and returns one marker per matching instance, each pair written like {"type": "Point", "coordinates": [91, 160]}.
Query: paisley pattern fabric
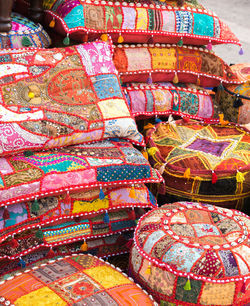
{"type": "Point", "coordinates": [206, 265]}
{"type": "Point", "coordinates": [163, 99]}
{"type": "Point", "coordinates": [74, 280]}
{"type": "Point", "coordinates": [24, 33]}
{"type": "Point", "coordinates": [227, 97]}
{"type": "Point", "coordinates": [205, 162]}
{"type": "Point", "coordinates": [62, 96]}
{"type": "Point", "coordinates": [138, 21]}
{"type": "Point", "coordinates": [71, 169]}
{"type": "Point", "coordinates": [162, 63]}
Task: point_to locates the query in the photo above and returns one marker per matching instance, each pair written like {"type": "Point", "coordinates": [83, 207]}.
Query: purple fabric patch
{"type": "Point", "coordinates": [129, 18]}
{"type": "Point", "coordinates": [210, 147]}
{"type": "Point", "coordinates": [229, 263]}
{"type": "Point", "coordinates": [66, 7]}
{"type": "Point", "coordinates": [138, 101]}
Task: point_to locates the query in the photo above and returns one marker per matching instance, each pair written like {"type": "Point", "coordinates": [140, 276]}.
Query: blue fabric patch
{"type": "Point", "coordinates": [128, 100]}
{"type": "Point", "coordinates": [175, 106]}
{"type": "Point", "coordinates": [75, 18]}
{"type": "Point", "coordinates": [152, 198]}
{"type": "Point", "coordinates": [106, 86]}
{"type": "Point", "coordinates": [122, 224]}
{"type": "Point", "coordinates": [133, 155]}
{"type": "Point", "coordinates": [184, 22]}
{"type": "Point", "coordinates": [150, 101]}
{"type": "Point", "coordinates": [125, 172]}
{"type": "Point", "coordinates": [203, 25]}
{"type": "Point", "coordinates": [18, 213]}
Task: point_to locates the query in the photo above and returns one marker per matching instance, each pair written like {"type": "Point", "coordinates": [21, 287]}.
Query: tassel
{"type": "Point", "coordinates": [175, 79]}
{"type": "Point", "coordinates": [237, 102]}
{"type": "Point", "coordinates": [162, 188]}
{"type": "Point", "coordinates": [214, 177]}
{"type": "Point", "coordinates": [22, 263]}
{"type": "Point", "coordinates": [106, 217]}
{"type": "Point", "coordinates": [52, 23]}
{"type": "Point", "coordinates": [209, 46]}
{"type": "Point", "coordinates": [240, 177]}
{"type": "Point", "coordinates": [132, 192]}
{"type": "Point", "coordinates": [180, 43]}
{"type": "Point", "coordinates": [31, 95]}
{"type": "Point", "coordinates": [157, 120]}
{"type": "Point", "coordinates": [120, 39]}
{"type": "Point", "coordinates": [187, 173]}
{"type": "Point", "coordinates": [198, 81]}
{"type": "Point", "coordinates": [39, 234]}
{"type": "Point", "coordinates": [14, 243]}
{"type": "Point", "coordinates": [243, 288]}
{"type": "Point", "coordinates": [220, 87]}
{"type": "Point", "coordinates": [6, 214]}
{"type": "Point", "coordinates": [67, 198]}
{"type": "Point", "coordinates": [241, 52]}
{"type": "Point", "coordinates": [145, 154]}
{"type": "Point", "coordinates": [131, 214]}
{"type": "Point", "coordinates": [187, 286]}
{"type": "Point", "coordinates": [26, 42]}
{"type": "Point", "coordinates": [129, 244]}
{"type": "Point", "coordinates": [152, 151]}
{"type": "Point", "coordinates": [28, 153]}
{"type": "Point", "coordinates": [35, 206]}
{"type": "Point", "coordinates": [162, 168]}
{"type": "Point", "coordinates": [148, 126]}
{"type": "Point", "coordinates": [104, 37]}
{"type": "Point", "coordinates": [151, 39]}
{"type": "Point", "coordinates": [149, 80]}
{"type": "Point", "coordinates": [85, 38]}
{"type": "Point", "coordinates": [148, 270]}
{"type": "Point", "coordinates": [51, 253]}
{"type": "Point", "coordinates": [185, 119]}
{"type": "Point", "coordinates": [66, 40]}
{"type": "Point", "coordinates": [101, 194]}
{"type": "Point", "coordinates": [180, 2]}
{"type": "Point", "coordinates": [222, 121]}
{"type": "Point", "coordinates": [84, 246]}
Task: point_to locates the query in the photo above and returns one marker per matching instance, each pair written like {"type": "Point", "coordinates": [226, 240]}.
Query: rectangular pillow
{"type": "Point", "coordinates": [19, 217]}
{"type": "Point", "coordinates": [72, 168]}
{"type": "Point", "coordinates": [69, 230]}
{"type": "Point", "coordinates": [186, 64]}
{"type": "Point", "coordinates": [62, 96]}
{"type": "Point", "coordinates": [162, 99]}
{"type": "Point", "coordinates": [141, 22]}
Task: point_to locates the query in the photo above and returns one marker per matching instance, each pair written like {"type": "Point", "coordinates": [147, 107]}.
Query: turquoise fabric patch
{"type": "Point", "coordinates": [106, 86]}
{"type": "Point", "coordinates": [75, 18]}
{"type": "Point", "coordinates": [203, 25]}
{"type": "Point", "coordinates": [122, 224]}
{"type": "Point", "coordinates": [150, 101]}
{"type": "Point", "coordinates": [189, 103]}
{"type": "Point", "coordinates": [18, 213]}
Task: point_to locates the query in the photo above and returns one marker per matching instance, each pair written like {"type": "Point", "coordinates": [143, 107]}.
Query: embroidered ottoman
{"type": "Point", "coordinates": [189, 253]}
{"type": "Point", "coordinates": [72, 280]}
{"type": "Point", "coordinates": [202, 162]}
{"type": "Point", "coordinates": [234, 100]}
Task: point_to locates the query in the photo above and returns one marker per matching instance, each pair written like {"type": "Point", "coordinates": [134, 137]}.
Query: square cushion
{"type": "Point", "coordinates": [76, 205]}
{"type": "Point", "coordinates": [61, 96]}
{"type": "Point", "coordinates": [162, 99]}
{"type": "Point", "coordinates": [72, 168]}
{"type": "Point", "coordinates": [138, 22]}
{"type": "Point", "coordinates": [72, 280]}
{"type": "Point", "coordinates": [186, 64]}
{"type": "Point", "coordinates": [204, 162]}
{"type": "Point", "coordinates": [24, 33]}
{"type": "Point", "coordinates": [234, 100]}
{"type": "Point", "coordinates": [69, 229]}
{"type": "Point", "coordinates": [189, 253]}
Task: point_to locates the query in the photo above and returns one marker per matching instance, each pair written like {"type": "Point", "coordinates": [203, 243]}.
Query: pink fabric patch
{"type": "Point", "coordinates": [138, 101]}
{"type": "Point", "coordinates": [5, 167]}
{"type": "Point", "coordinates": [205, 106]}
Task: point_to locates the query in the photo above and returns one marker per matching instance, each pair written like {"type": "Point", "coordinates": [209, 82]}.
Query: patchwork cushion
{"type": "Point", "coordinates": [75, 168]}
{"type": "Point", "coordinates": [187, 64]}
{"type": "Point", "coordinates": [62, 96]}
{"type": "Point", "coordinates": [74, 280]}
{"type": "Point", "coordinates": [24, 33]}
{"type": "Point", "coordinates": [193, 254]}
{"type": "Point", "coordinates": [76, 205]}
{"type": "Point", "coordinates": [139, 22]}
{"type": "Point", "coordinates": [162, 99]}
{"type": "Point", "coordinates": [68, 230]}
{"type": "Point", "coordinates": [234, 100]}
{"type": "Point", "coordinates": [204, 162]}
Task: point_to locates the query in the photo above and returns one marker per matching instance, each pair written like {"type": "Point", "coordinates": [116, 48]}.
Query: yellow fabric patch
{"type": "Point", "coordinates": [218, 294]}
{"type": "Point", "coordinates": [107, 276]}
{"type": "Point", "coordinates": [85, 206]}
{"type": "Point", "coordinates": [40, 297]}
{"type": "Point", "coordinates": [142, 19]}
{"type": "Point", "coordinates": [111, 108]}
{"type": "Point", "coordinates": [163, 58]}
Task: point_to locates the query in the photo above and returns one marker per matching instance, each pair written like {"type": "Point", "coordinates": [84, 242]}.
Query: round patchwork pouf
{"type": "Point", "coordinates": [189, 253]}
